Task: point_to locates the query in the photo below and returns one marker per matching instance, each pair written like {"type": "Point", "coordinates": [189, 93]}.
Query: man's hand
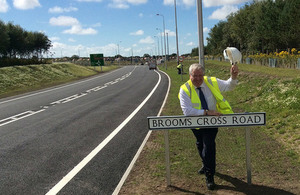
{"type": "Point", "coordinates": [234, 71]}
{"type": "Point", "coordinates": [213, 113]}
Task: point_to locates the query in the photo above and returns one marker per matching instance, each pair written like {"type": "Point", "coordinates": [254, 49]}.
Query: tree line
{"type": "Point", "coordinates": [15, 42]}
{"type": "Point", "coordinates": [261, 26]}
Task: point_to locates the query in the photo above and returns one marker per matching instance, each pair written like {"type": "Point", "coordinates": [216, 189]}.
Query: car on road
{"type": "Point", "coordinates": [152, 65]}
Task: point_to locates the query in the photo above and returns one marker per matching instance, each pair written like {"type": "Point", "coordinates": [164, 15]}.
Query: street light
{"type": "Point", "coordinates": [168, 45]}
{"type": "Point", "coordinates": [162, 49]}
{"type": "Point", "coordinates": [200, 33]}
{"type": "Point", "coordinates": [164, 38]}
{"type": "Point", "coordinates": [176, 35]}
{"type": "Point", "coordinates": [157, 45]}
{"type": "Point", "coordinates": [119, 52]}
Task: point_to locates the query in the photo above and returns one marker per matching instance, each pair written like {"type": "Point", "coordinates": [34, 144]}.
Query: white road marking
{"type": "Point", "coordinates": [123, 179]}
{"type": "Point", "coordinates": [18, 117]}
{"type": "Point", "coordinates": [62, 101]}
{"type": "Point", "coordinates": [93, 153]}
{"type": "Point", "coordinates": [18, 98]}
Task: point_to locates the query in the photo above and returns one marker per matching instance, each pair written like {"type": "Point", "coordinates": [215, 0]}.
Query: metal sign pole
{"type": "Point", "coordinates": [189, 122]}
{"type": "Point", "coordinates": [248, 155]}
{"type": "Point", "coordinates": [167, 157]}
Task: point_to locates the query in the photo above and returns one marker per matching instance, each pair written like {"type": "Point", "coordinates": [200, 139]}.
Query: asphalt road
{"type": "Point", "coordinates": [79, 137]}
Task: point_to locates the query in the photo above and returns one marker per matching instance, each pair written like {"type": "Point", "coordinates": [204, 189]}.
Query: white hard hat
{"type": "Point", "coordinates": [232, 54]}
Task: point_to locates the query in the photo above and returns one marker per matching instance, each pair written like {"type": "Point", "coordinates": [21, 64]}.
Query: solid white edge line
{"type": "Point", "coordinates": [91, 155]}
{"type": "Point", "coordinates": [126, 174]}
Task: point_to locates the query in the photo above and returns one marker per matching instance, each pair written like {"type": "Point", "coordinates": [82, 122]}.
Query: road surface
{"type": "Point", "coordinates": [77, 138]}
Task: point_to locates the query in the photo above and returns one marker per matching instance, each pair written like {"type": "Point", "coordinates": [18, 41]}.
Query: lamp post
{"type": "Point", "coordinates": [176, 35]}
{"type": "Point", "coordinates": [168, 46]}
{"type": "Point", "coordinates": [200, 33]}
{"type": "Point", "coordinates": [164, 39]}
{"type": "Point", "coordinates": [162, 49]}
{"type": "Point", "coordinates": [157, 45]}
{"type": "Point", "coordinates": [119, 52]}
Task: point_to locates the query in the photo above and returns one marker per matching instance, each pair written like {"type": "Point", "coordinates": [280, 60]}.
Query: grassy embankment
{"type": "Point", "coordinates": [275, 148]}
{"type": "Point", "coordinates": [20, 79]}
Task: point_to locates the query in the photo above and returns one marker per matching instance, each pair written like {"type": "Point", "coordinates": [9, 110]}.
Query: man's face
{"type": "Point", "coordinates": [197, 77]}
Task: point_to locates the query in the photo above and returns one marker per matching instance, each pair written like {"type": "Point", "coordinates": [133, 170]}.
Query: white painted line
{"type": "Point", "coordinates": [19, 117]}
{"type": "Point", "coordinates": [41, 92]}
{"type": "Point", "coordinates": [93, 153]}
{"type": "Point", "coordinates": [123, 179]}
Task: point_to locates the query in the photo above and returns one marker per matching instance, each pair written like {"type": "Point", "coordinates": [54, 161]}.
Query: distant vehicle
{"type": "Point", "coordinates": [152, 65]}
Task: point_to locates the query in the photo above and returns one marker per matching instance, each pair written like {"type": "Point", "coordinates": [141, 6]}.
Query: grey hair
{"type": "Point", "coordinates": [196, 66]}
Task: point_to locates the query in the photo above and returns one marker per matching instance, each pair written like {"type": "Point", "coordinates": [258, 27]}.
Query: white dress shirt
{"type": "Point", "coordinates": [186, 103]}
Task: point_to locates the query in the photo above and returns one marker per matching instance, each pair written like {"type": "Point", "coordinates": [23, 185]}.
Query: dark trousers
{"type": "Point", "coordinates": [206, 146]}
{"type": "Point", "coordinates": [179, 70]}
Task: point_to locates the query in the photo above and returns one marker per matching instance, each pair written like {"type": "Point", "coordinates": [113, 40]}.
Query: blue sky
{"type": "Point", "coordinates": [82, 27]}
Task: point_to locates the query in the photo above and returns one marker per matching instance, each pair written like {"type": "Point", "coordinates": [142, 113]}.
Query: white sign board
{"type": "Point", "coordinates": [190, 122]}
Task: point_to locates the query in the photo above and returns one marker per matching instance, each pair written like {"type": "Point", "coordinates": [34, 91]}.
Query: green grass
{"type": "Point", "coordinates": [20, 79]}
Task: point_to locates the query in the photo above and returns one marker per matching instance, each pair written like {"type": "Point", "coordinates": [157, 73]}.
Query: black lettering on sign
{"type": "Point", "coordinates": [168, 122]}
{"type": "Point", "coordinates": [257, 119]}
{"type": "Point", "coordinates": [154, 123]}
{"type": "Point", "coordinates": [242, 119]}
{"type": "Point", "coordinates": [160, 123]}
{"type": "Point", "coordinates": [175, 122]}
{"type": "Point", "coordinates": [224, 120]}
{"type": "Point", "coordinates": [206, 121]}
{"type": "Point", "coordinates": [200, 121]}
{"type": "Point", "coordinates": [250, 120]}
{"type": "Point", "coordinates": [234, 120]}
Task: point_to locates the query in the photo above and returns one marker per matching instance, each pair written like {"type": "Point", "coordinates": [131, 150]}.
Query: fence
{"type": "Point", "coordinates": [271, 62]}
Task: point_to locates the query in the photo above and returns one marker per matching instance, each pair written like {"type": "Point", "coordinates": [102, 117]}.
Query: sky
{"type": "Point", "coordinates": [111, 27]}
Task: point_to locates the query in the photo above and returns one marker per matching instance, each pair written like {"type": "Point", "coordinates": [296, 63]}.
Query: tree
{"type": "Point", "coordinates": [4, 40]}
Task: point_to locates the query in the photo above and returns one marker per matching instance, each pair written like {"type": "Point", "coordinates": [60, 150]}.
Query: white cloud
{"type": "Point", "coordinates": [74, 23]}
{"type": "Point", "coordinates": [119, 5]}
{"type": "Point", "coordinates": [71, 40]}
{"type": "Point", "coordinates": [206, 30]}
{"type": "Point", "coordinates": [89, 0]}
{"type": "Point", "coordinates": [57, 9]}
{"type": "Point", "coordinates": [26, 4]}
{"type": "Point", "coordinates": [170, 33]}
{"type": "Point", "coordinates": [190, 44]}
{"type": "Point", "coordinates": [147, 40]}
{"type": "Point", "coordinates": [97, 24]}
{"type": "Point", "coordinates": [124, 4]}
{"type": "Point", "coordinates": [3, 6]}
{"type": "Point", "coordinates": [54, 39]}
{"type": "Point", "coordinates": [136, 2]}
{"type": "Point", "coordinates": [78, 30]}
{"type": "Point", "coordinates": [187, 3]}
{"type": "Point", "coordinates": [141, 15]}
{"type": "Point", "coordinates": [63, 21]}
{"type": "Point", "coordinates": [223, 12]}
{"type": "Point", "coordinates": [211, 3]}
{"type": "Point", "coordinates": [139, 32]}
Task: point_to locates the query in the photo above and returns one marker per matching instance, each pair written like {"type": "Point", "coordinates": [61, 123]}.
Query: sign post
{"type": "Point", "coordinates": [97, 60]}
{"type": "Point", "coordinates": [191, 122]}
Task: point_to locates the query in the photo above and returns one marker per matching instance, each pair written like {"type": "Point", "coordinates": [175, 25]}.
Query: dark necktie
{"type": "Point", "coordinates": [202, 99]}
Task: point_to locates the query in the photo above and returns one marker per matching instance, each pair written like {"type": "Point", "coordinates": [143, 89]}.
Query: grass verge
{"type": "Point", "coordinates": [20, 79]}
{"type": "Point", "coordinates": [274, 147]}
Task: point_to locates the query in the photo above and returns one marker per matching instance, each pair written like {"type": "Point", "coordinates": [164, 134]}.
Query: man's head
{"type": "Point", "coordinates": [196, 72]}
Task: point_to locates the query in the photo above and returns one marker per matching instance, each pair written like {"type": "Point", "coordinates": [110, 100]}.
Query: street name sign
{"type": "Point", "coordinates": [191, 122]}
